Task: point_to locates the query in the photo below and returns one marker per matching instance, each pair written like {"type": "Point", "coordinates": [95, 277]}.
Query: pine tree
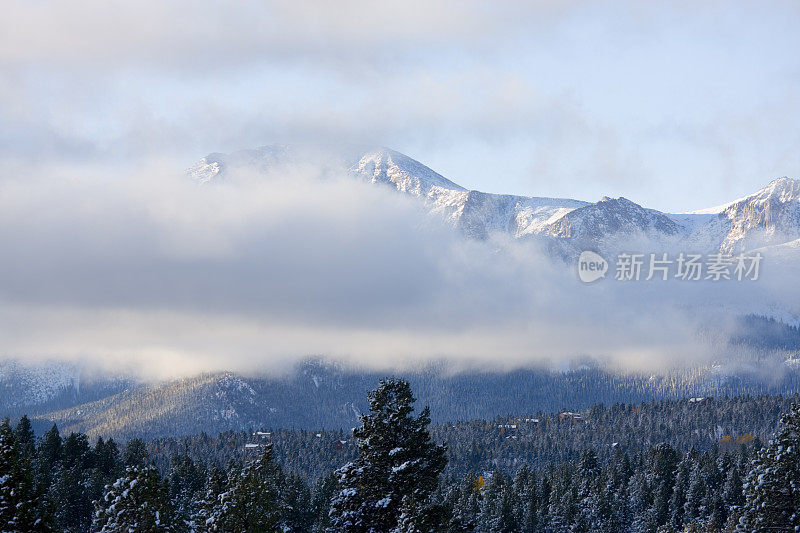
{"type": "Point", "coordinates": [508, 519]}
{"type": "Point", "coordinates": [187, 482]}
{"type": "Point", "coordinates": [695, 506]}
{"type": "Point", "coordinates": [397, 468]}
{"type": "Point", "coordinates": [296, 497]}
{"type": "Point", "coordinates": [45, 464]}
{"type": "Point", "coordinates": [664, 460]}
{"type": "Point", "coordinates": [321, 502]}
{"type": "Point", "coordinates": [680, 491]}
{"type": "Point", "coordinates": [135, 453]}
{"type": "Point", "coordinates": [70, 491]}
{"type": "Point", "coordinates": [48, 456]}
{"type": "Point", "coordinates": [772, 489]}
{"type": "Point", "coordinates": [641, 504]}
{"type": "Point", "coordinates": [526, 486]}
{"type": "Point", "coordinates": [17, 502]}
{"type": "Point", "coordinates": [467, 499]}
{"type": "Point", "coordinates": [250, 501]}
{"type": "Point", "coordinates": [138, 501]}
{"type": "Point", "coordinates": [733, 490]}
{"type": "Point", "coordinates": [208, 506]}
{"type": "Point", "coordinates": [107, 467]}
{"type": "Point", "coordinates": [545, 498]}
{"type": "Point", "coordinates": [23, 433]}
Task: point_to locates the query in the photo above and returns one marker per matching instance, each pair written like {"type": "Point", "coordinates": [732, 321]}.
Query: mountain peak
{"type": "Point", "coordinates": [611, 216]}
{"type": "Point", "coordinates": [617, 201]}
{"type": "Point", "coordinates": [782, 189]}
{"type": "Point", "coordinates": [770, 216]}
{"type": "Point", "coordinates": [406, 174]}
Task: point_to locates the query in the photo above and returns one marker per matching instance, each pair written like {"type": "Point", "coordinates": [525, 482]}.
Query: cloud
{"type": "Point", "coordinates": [152, 272]}
{"type": "Point", "coordinates": [574, 99]}
{"type": "Point", "coordinates": [110, 256]}
{"type": "Point", "coordinates": [209, 34]}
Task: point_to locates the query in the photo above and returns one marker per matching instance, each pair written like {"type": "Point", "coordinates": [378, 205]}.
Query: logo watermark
{"type": "Point", "coordinates": [662, 267]}
{"type": "Point", "coordinates": [591, 266]}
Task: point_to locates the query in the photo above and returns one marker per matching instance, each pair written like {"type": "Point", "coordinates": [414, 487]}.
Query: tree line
{"type": "Point", "coordinates": [396, 480]}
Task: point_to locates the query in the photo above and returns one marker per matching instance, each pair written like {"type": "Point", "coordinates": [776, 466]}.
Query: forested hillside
{"type": "Point", "coordinates": [322, 395]}
{"type": "Point", "coordinates": [508, 443]}
{"type": "Point", "coordinates": [677, 465]}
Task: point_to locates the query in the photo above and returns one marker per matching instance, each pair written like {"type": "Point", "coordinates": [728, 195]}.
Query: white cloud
{"type": "Point", "coordinates": [152, 271]}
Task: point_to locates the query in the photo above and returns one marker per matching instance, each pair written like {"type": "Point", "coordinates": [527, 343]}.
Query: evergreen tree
{"type": "Point", "coordinates": [187, 483]}
{"type": "Point", "coordinates": [45, 464]}
{"type": "Point", "coordinates": [641, 504]}
{"type": "Point", "coordinates": [48, 456]}
{"type": "Point", "coordinates": [299, 515]}
{"type": "Point", "coordinates": [71, 488]}
{"type": "Point", "coordinates": [772, 489]}
{"type": "Point", "coordinates": [680, 491]}
{"type": "Point", "coordinates": [733, 491]}
{"type": "Point", "coordinates": [528, 490]}
{"type": "Point", "coordinates": [664, 460]}
{"type": "Point", "coordinates": [695, 507]}
{"type": "Point", "coordinates": [250, 501]}
{"type": "Point", "coordinates": [508, 520]}
{"type": "Point", "coordinates": [17, 502]}
{"type": "Point", "coordinates": [545, 495]}
{"type": "Point", "coordinates": [324, 491]}
{"type": "Point", "coordinates": [26, 440]}
{"type": "Point", "coordinates": [207, 512]}
{"type": "Point", "coordinates": [467, 498]}
{"type": "Point", "coordinates": [107, 467]}
{"type": "Point", "coordinates": [138, 501]}
{"type": "Point", "coordinates": [135, 453]}
{"type": "Point", "coordinates": [397, 468]}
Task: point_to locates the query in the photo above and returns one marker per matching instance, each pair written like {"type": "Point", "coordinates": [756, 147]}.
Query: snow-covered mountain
{"type": "Point", "coordinates": [769, 217]}
{"type": "Point", "coordinates": [31, 387]}
{"type": "Point", "coordinates": [319, 394]}
{"type": "Point", "coordinates": [476, 214]}
{"type": "Point", "coordinates": [611, 218]}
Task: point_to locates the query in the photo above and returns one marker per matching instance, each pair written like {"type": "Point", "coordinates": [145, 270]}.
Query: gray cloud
{"type": "Point", "coordinates": [108, 256]}
{"type": "Point", "coordinates": [617, 98]}
{"type": "Point", "coordinates": [202, 35]}
{"type": "Point", "coordinates": [154, 272]}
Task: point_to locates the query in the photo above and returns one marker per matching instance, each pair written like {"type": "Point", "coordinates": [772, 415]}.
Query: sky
{"type": "Point", "coordinates": [112, 255]}
{"type": "Point", "coordinates": [675, 105]}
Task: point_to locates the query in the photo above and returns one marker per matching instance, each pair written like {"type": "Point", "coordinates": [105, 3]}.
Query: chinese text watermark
{"type": "Point", "coordinates": [662, 266]}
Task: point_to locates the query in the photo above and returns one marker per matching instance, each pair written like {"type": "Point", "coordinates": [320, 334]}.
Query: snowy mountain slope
{"type": "Point", "coordinates": [476, 214]}
{"type": "Point", "coordinates": [221, 401]}
{"type": "Point", "coordinates": [318, 394]}
{"type": "Point", "coordinates": [401, 172]}
{"type": "Point", "coordinates": [34, 387]}
{"type": "Point", "coordinates": [30, 385]}
{"type": "Point", "coordinates": [612, 217]}
{"type": "Point", "coordinates": [768, 217]}
{"type": "Point", "coordinates": [313, 396]}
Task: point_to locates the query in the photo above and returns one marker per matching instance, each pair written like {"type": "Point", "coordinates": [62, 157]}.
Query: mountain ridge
{"type": "Point", "coordinates": [768, 217]}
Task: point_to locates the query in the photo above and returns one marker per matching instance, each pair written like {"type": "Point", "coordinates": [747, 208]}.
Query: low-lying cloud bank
{"type": "Point", "coordinates": [151, 273]}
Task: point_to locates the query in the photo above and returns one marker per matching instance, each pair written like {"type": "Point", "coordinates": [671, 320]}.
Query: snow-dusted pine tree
{"type": "Point", "coordinates": [387, 488]}
{"type": "Point", "coordinates": [250, 499]}
{"type": "Point", "coordinates": [772, 489]}
{"type": "Point", "coordinates": [17, 505]}
{"type": "Point", "coordinates": [138, 501]}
